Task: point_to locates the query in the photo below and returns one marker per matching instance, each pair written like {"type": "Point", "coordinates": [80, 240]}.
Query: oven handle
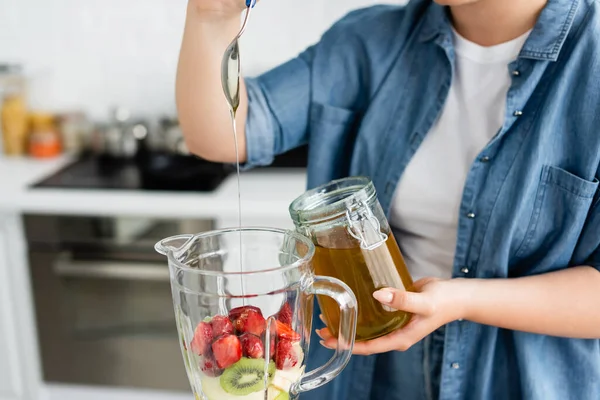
{"type": "Point", "coordinates": [116, 270]}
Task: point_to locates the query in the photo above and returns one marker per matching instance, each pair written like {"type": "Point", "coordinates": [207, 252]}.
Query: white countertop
{"type": "Point", "coordinates": [265, 193]}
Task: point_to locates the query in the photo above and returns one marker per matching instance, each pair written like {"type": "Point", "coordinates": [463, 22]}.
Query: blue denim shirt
{"type": "Point", "coordinates": [364, 98]}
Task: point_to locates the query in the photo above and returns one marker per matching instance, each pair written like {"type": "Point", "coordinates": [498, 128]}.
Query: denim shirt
{"type": "Point", "coordinates": [365, 96]}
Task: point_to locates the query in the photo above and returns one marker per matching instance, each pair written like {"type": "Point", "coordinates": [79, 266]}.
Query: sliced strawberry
{"type": "Point", "coordinates": [284, 332]}
{"type": "Point", "coordinates": [227, 350]}
{"type": "Point", "coordinates": [272, 347]}
{"type": "Point", "coordinates": [203, 336]}
{"type": "Point", "coordinates": [235, 312]}
{"type": "Point", "coordinates": [221, 325]}
{"type": "Point", "coordinates": [252, 346]}
{"type": "Point", "coordinates": [250, 321]}
{"type": "Point", "coordinates": [208, 365]}
{"type": "Point", "coordinates": [285, 355]}
{"type": "Point", "coordinates": [285, 314]}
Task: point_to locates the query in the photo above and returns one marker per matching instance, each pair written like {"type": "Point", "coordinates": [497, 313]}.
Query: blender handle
{"type": "Point", "coordinates": [343, 295]}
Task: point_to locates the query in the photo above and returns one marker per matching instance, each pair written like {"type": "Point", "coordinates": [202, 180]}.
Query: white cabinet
{"type": "Point", "coordinates": [19, 371]}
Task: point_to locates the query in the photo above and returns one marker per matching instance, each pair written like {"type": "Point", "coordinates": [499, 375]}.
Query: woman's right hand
{"type": "Point", "coordinates": [218, 10]}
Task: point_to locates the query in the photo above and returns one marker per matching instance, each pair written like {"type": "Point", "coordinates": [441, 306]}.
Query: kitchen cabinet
{"type": "Point", "coordinates": [19, 373]}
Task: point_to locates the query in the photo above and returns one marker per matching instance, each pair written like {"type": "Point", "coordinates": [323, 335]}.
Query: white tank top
{"type": "Point", "coordinates": [426, 203]}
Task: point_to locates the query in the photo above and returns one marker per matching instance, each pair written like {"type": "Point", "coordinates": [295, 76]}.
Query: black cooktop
{"type": "Point", "coordinates": [152, 172]}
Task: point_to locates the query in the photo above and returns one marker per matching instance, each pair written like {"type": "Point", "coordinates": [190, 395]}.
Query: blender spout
{"type": "Point", "coordinates": [173, 244]}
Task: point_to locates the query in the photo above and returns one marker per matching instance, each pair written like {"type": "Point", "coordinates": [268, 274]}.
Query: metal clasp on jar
{"type": "Point", "coordinates": [364, 226]}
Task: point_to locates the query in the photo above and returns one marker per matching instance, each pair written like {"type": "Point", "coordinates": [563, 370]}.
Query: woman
{"type": "Point", "coordinates": [478, 122]}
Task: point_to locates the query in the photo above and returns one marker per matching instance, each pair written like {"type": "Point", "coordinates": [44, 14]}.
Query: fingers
{"type": "Point", "coordinates": [416, 303]}
{"type": "Point", "coordinates": [400, 340]}
{"type": "Point", "coordinates": [328, 340]}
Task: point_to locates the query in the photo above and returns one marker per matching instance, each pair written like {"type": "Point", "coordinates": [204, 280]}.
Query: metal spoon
{"type": "Point", "coordinates": [231, 66]}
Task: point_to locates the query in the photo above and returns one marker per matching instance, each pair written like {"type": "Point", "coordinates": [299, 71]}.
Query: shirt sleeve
{"type": "Point", "coordinates": [278, 110]}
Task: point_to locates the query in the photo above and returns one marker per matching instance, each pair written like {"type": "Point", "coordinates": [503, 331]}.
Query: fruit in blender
{"type": "Point", "coordinates": [285, 355]}
{"type": "Point", "coordinates": [282, 396]}
{"type": "Point", "coordinates": [252, 346]}
{"type": "Point", "coordinates": [235, 312]}
{"type": "Point", "coordinates": [221, 325]}
{"type": "Point", "coordinates": [275, 393]}
{"type": "Point", "coordinates": [285, 315]}
{"type": "Point", "coordinates": [245, 377]}
{"type": "Point", "coordinates": [232, 350]}
{"type": "Point", "coordinates": [227, 350]}
{"type": "Point", "coordinates": [203, 336]}
{"type": "Point", "coordinates": [284, 332]}
{"type": "Point", "coordinates": [209, 366]}
{"type": "Point", "coordinates": [249, 321]}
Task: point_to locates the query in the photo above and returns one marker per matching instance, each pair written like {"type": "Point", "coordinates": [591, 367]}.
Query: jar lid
{"type": "Point", "coordinates": [332, 200]}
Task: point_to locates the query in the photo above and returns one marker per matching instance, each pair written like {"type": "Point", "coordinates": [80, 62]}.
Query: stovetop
{"type": "Point", "coordinates": [153, 172]}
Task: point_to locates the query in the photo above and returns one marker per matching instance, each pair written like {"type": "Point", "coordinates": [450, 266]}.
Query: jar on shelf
{"type": "Point", "coordinates": [13, 110]}
{"type": "Point", "coordinates": [44, 140]}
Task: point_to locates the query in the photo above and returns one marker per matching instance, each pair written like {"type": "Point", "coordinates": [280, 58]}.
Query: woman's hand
{"type": "Point", "coordinates": [217, 10]}
{"type": "Point", "coordinates": [434, 303]}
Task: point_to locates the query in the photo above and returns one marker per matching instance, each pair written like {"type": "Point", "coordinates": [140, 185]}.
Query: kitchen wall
{"type": "Point", "coordinates": [92, 54]}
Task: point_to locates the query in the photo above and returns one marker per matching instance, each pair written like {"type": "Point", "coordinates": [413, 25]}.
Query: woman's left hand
{"type": "Point", "coordinates": [434, 303]}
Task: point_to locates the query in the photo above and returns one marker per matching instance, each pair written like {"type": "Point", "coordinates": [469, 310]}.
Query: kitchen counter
{"type": "Point", "coordinates": [266, 195]}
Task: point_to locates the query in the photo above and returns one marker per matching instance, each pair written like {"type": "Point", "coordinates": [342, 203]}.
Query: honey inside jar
{"type": "Point", "coordinates": [354, 244]}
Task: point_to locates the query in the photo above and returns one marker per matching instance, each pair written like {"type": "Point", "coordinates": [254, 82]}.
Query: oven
{"type": "Point", "coordinates": [103, 300]}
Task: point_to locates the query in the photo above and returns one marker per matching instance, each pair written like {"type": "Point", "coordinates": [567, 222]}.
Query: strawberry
{"type": "Point", "coordinates": [203, 336]}
{"type": "Point", "coordinates": [284, 332]}
{"type": "Point", "coordinates": [250, 321]}
{"type": "Point", "coordinates": [285, 356]}
{"type": "Point", "coordinates": [208, 365]}
{"type": "Point", "coordinates": [235, 312]}
{"type": "Point", "coordinates": [221, 325]}
{"type": "Point", "coordinates": [272, 348]}
{"type": "Point", "coordinates": [252, 346]}
{"type": "Point", "coordinates": [285, 314]}
{"type": "Point", "coordinates": [227, 350]}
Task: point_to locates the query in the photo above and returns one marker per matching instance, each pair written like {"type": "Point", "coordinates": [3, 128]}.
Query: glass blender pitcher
{"type": "Point", "coordinates": [245, 316]}
{"type": "Point", "coordinates": [354, 243]}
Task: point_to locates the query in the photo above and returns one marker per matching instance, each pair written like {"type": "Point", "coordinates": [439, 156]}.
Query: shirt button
{"type": "Point", "coordinates": [471, 215]}
{"type": "Point", "coordinates": [516, 72]}
{"type": "Point", "coordinates": [485, 159]}
{"type": "Point", "coordinates": [455, 365]}
{"type": "Point", "coordinates": [464, 270]}
{"type": "Point", "coordinates": [518, 113]}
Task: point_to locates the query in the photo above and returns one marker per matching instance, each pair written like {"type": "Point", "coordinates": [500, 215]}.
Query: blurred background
{"type": "Point", "coordinates": [94, 170]}
{"type": "Point", "coordinates": [92, 55]}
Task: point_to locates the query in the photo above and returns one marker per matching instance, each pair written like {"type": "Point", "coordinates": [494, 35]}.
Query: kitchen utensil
{"type": "Point", "coordinates": [247, 334]}
{"type": "Point", "coordinates": [231, 66]}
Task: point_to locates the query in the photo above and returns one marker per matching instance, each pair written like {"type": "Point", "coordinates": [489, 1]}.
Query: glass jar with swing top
{"type": "Point", "coordinates": [354, 244]}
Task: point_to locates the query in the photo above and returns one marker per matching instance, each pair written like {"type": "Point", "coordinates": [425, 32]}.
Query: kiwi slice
{"type": "Point", "coordinates": [245, 376]}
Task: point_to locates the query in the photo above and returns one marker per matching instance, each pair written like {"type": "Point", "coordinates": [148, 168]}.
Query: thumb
{"type": "Point", "coordinates": [416, 303]}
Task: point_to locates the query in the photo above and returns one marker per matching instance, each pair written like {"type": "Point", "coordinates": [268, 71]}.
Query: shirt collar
{"type": "Point", "coordinates": [544, 42]}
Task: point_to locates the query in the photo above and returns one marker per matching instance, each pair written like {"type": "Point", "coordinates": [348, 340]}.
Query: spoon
{"type": "Point", "coordinates": [231, 66]}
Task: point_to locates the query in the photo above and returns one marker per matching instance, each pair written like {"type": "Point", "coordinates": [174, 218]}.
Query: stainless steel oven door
{"type": "Point", "coordinates": [106, 320]}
